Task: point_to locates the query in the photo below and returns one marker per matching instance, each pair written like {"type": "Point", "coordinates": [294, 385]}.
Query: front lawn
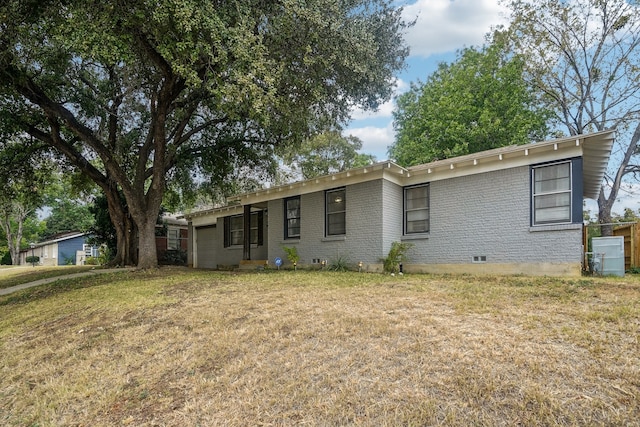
{"type": "Point", "coordinates": [184, 347]}
{"type": "Point", "coordinates": [18, 275]}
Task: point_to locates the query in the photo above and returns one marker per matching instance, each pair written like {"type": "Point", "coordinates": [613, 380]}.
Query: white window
{"type": "Point", "coordinates": [552, 194]}
{"type": "Point", "coordinates": [173, 239]}
{"type": "Point", "coordinates": [416, 209]}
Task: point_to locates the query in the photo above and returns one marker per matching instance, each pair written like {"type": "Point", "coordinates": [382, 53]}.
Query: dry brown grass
{"type": "Point", "coordinates": [180, 347]}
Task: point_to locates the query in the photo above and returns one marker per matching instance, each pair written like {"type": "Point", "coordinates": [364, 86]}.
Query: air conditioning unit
{"type": "Point", "coordinates": [608, 255]}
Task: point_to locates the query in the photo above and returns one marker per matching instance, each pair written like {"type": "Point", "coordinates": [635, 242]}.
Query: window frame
{"type": "Point", "coordinates": [535, 195]}
{"type": "Point", "coordinates": [256, 230]}
{"type": "Point", "coordinates": [328, 214]}
{"type": "Point", "coordinates": [405, 209]}
{"type": "Point", "coordinates": [287, 227]}
{"type": "Point", "coordinates": [173, 239]}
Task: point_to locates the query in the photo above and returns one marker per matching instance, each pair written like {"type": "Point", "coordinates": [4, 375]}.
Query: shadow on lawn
{"type": "Point", "coordinates": [59, 286]}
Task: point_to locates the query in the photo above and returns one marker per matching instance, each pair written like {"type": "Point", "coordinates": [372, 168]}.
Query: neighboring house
{"type": "Point", "coordinates": [511, 210]}
{"type": "Point", "coordinates": [63, 249]}
{"type": "Point", "coordinates": [171, 240]}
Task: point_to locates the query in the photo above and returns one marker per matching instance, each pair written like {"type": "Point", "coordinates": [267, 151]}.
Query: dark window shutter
{"type": "Point", "coordinates": [227, 228]}
{"type": "Point", "coordinates": [260, 228]}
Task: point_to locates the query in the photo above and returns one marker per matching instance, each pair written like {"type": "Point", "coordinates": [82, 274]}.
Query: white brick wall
{"type": "Point", "coordinates": [489, 215]}
{"type": "Point", "coordinates": [363, 240]}
{"type": "Point", "coordinates": [481, 215]}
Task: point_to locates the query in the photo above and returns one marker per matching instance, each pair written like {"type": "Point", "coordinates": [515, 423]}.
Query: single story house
{"type": "Point", "coordinates": [69, 248]}
{"type": "Point", "coordinates": [511, 210]}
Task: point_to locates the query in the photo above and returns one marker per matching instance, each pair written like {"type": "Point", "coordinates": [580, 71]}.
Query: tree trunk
{"type": "Point", "coordinates": [147, 253]}
{"type": "Point", "coordinates": [13, 239]}
{"type": "Point", "coordinates": [604, 218]}
{"type": "Point", "coordinates": [123, 226]}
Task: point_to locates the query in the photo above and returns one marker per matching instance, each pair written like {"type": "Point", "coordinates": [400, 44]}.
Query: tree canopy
{"type": "Point", "coordinates": [327, 153]}
{"type": "Point", "coordinates": [137, 94]}
{"type": "Point", "coordinates": [67, 214]}
{"type": "Point", "coordinates": [583, 58]}
{"type": "Point", "coordinates": [476, 103]}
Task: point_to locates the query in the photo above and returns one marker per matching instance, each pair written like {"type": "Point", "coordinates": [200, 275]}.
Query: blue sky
{"type": "Point", "coordinates": [442, 27]}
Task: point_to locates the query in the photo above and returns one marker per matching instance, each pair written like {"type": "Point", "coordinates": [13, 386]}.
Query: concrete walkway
{"type": "Point", "coordinates": [7, 291]}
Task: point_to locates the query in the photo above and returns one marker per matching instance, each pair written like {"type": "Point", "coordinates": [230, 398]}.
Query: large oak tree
{"type": "Point", "coordinates": [138, 92]}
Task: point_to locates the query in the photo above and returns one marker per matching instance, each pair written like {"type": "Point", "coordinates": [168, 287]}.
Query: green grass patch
{"type": "Point", "coordinates": [14, 276]}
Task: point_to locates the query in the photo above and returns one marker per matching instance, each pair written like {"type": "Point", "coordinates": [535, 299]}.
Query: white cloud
{"type": "Point", "coordinates": [447, 25]}
{"type": "Point", "coordinates": [384, 111]}
{"type": "Point", "coordinates": [375, 140]}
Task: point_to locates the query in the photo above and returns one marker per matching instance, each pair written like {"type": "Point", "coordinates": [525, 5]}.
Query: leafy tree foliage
{"type": "Point", "coordinates": [67, 215]}
{"type": "Point", "coordinates": [139, 95]}
{"type": "Point", "coordinates": [327, 153]}
{"type": "Point", "coordinates": [103, 231]}
{"type": "Point", "coordinates": [476, 103]}
{"type": "Point", "coordinates": [583, 57]}
{"type": "Point", "coordinates": [24, 174]}
{"type": "Point", "coordinates": [68, 208]}
{"type": "Point", "coordinates": [627, 215]}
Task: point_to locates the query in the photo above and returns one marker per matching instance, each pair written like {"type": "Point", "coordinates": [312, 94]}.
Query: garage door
{"type": "Point", "coordinates": [206, 241]}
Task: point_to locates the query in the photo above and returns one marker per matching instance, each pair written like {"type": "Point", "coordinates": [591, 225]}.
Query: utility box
{"type": "Point", "coordinates": [609, 253]}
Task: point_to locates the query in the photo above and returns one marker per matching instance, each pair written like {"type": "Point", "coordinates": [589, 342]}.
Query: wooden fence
{"type": "Point", "coordinates": [631, 234]}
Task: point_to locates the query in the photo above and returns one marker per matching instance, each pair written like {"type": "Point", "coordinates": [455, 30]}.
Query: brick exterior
{"type": "Point", "coordinates": [363, 240]}
{"type": "Point", "coordinates": [489, 215]}
{"type": "Point", "coordinates": [481, 215]}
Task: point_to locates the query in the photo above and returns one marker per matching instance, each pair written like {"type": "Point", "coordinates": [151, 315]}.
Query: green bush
{"type": "Point", "coordinates": [397, 255]}
{"type": "Point", "coordinates": [5, 257]}
{"type": "Point", "coordinates": [91, 260]}
{"type": "Point", "coordinates": [104, 255]}
{"type": "Point", "coordinates": [173, 257]}
{"type": "Point", "coordinates": [292, 254]}
{"type": "Point", "coordinates": [33, 259]}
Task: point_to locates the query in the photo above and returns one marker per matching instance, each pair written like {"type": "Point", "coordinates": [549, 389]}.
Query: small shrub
{"type": "Point", "coordinates": [5, 257]}
{"type": "Point", "coordinates": [339, 263]}
{"type": "Point", "coordinates": [91, 260]}
{"type": "Point", "coordinates": [104, 255]}
{"type": "Point", "coordinates": [33, 259]}
{"type": "Point", "coordinates": [397, 255]}
{"type": "Point", "coordinates": [173, 257]}
{"type": "Point", "coordinates": [292, 254]}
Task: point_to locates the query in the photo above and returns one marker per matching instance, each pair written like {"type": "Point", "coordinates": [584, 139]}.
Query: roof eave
{"type": "Point", "coordinates": [596, 152]}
